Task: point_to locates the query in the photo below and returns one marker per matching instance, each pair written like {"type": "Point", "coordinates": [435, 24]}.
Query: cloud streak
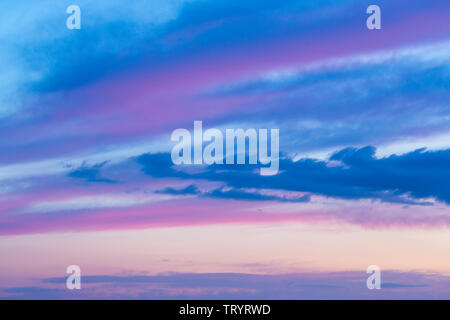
{"type": "Point", "coordinates": [331, 285]}
{"type": "Point", "coordinates": [351, 173]}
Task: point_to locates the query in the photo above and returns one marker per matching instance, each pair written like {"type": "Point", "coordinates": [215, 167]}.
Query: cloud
{"type": "Point", "coordinates": [402, 285]}
{"type": "Point", "coordinates": [158, 165]}
{"type": "Point", "coordinates": [324, 285]}
{"type": "Point", "coordinates": [372, 98]}
{"type": "Point", "coordinates": [304, 67]}
{"type": "Point", "coordinates": [236, 194]}
{"type": "Point", "coordinates": [106, 79]}
{"type": "Point", "coordinates": [189, 190]}
{"type": "Point", "coordinates": [65, 59]}
{"type": "Point", "coordinates": [230, 193]}
{"type": "Point", "coordinates": [351, 173]}
{"type": "Point", "coordinates": [41, 293]}
{"type": "Point", "coordinates": [90, 173]}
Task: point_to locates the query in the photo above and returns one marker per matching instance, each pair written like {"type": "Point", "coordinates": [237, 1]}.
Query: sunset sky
{"type": "Point", "coordinates": [86, 176]}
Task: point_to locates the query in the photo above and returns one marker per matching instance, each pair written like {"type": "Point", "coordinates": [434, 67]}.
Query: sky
{"type": "Point", "coordinates": [87, 179]}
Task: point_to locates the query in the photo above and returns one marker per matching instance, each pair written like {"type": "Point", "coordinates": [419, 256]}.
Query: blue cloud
{"type": "Point", "coordinates": [409, 178]}
{"type": "Point", "coordinates": [189, 190]}
{"type": "Point", "coordinates": [341, 285]}
{"type": "Point", "coordinates": [158, 165]}
{"type": "Point", "coordinates": [230, 193]}
{"type": "Point", "coordinates": [90, 173]}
